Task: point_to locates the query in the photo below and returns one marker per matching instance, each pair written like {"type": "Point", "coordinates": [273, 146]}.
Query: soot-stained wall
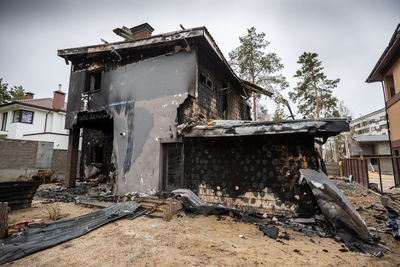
{"type": "Point", "coordinates": [219, 101]}
{"type": "Point", "coordinates": [97, 148]}
{"type": "Point", "coordinates": [255, 171]}
{"type": "Point", "coordinates": [142, 99]}
{"type": "Point", "coordinates": [144, 102]}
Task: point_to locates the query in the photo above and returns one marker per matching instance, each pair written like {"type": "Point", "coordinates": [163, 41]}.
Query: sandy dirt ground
{"type": "Point", "coordinates": [200, 241]}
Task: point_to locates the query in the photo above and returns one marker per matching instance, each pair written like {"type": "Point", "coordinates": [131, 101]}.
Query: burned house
{"type": "Point", "coordinates": [167, 111]}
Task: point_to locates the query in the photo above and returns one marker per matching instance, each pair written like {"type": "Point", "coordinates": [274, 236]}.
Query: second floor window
{"type": "Point", "coordinates": [23, 116]}
{"type": "Point", "coordinates": [94, 81]}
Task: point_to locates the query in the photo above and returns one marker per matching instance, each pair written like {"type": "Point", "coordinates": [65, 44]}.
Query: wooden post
{"type": "Point", "coordinates": [72, 156]}
{"type": "Point", "coordinates": [3, 219]}
{"type": "Point", "coordinates": [380, 175]}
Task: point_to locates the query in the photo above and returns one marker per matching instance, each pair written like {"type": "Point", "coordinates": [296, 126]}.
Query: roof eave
{"type": "Point", "coordinates": [386, 59]}
{"type": "Point", "coordinates": [156, 39]}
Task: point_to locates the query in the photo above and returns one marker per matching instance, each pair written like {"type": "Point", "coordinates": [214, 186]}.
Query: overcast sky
{"type": "Point", "coordinates": [349, 36]}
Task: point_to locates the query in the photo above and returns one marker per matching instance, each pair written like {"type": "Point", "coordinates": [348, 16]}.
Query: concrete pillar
{"type": "Point", "coordinates": [72, 156]}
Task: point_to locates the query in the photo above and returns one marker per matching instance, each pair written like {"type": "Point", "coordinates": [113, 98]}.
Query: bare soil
{"type": "Point", "coordinates": [201, 241]}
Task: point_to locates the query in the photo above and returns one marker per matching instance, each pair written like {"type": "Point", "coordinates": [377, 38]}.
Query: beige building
{"type": "Point", "coordinates": [387, 71]}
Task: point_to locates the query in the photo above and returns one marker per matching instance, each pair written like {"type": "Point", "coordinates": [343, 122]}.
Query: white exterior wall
{"type": "Point", "coordinates": [54, 132]}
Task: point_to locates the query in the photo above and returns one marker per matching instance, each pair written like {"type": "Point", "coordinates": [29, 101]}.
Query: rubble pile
{"type": "Point", "coordinates": [60, 193]}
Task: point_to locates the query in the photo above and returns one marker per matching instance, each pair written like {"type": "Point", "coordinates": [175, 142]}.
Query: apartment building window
{"type": "Point", "coordinates": [4, 121]}
{"type": "Point", "coordinates": [23, 116]}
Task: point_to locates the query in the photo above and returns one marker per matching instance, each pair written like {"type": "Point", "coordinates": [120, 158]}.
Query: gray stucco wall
{"type": "Point", "coordinates": [143, 99]}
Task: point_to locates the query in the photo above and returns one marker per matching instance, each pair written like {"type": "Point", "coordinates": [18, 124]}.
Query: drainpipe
{"type": "Point", "coordinates": [390, 139]}
{"type": "Point", "coordinates": [45, 122]}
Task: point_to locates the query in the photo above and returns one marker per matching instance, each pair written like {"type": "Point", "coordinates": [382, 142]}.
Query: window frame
{"type": "Point", "coordinates": [88, 84]}
{"type": "Point", "coordinates": [164, 150]}
{"type": "Point", "coordinates": [4, 121]}
{"type": "Point", "coordinates": [19, 119]}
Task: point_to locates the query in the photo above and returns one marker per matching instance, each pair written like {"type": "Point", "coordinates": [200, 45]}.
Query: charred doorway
{"type": "Point", "coordinates": [97, 144]}
{"type": "Point", "coordinates": [172, 165]}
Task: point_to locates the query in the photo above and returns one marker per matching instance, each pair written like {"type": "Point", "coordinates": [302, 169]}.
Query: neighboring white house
{"type": "Point", "coordinates": [35, 119]}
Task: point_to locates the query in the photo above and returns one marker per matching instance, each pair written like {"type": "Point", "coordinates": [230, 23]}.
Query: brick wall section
{"type": "Point", "coordinates": [257, 172]}
{"type": "Point", "coordinates": [17, 154]}
{"type": "Point", "coordinates": [59, 162]}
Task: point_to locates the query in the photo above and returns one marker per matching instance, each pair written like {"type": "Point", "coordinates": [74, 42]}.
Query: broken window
{"type": "Point", "coordinates": [94, 81]}
{"type": "Point", "coordinates": [4, 121]}
{"type": "Point", "coordinates": [23, 116]}
{"type": "Point", "coordinates": [224, 91]}
{"type": "Point", "coordinates": [206, 81]}
{"type": "Point", "coordinates": [172, 166]}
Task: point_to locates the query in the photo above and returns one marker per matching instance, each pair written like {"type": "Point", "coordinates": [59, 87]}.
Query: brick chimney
{"type": "Point", "coordinates": [29, 95]}
{"type": "Point", "coordinates": [141, 31]}
{"type": "Point", "coordinates": [59, 98]}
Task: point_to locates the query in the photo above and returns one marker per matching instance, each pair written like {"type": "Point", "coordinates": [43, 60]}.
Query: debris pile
{"type": "Point", "coordinates": [82, 190]}
{"type": "Point", "coordinates": [393, 211]}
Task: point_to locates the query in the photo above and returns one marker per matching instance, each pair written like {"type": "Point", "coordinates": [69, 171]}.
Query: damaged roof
{"type": "Point", "coordinates": [198, 33]}
{"type": "Point", "coordinates": [225, 128]}
{"type": "Point", "coordinates": [387, 59]}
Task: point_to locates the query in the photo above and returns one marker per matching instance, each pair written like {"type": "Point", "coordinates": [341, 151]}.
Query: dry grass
{"type": "Point", "coordinates": [54, 212]}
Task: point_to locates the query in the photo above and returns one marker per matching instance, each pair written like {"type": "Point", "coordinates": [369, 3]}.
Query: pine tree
{"type": "Point", "coordinates": [253, 64]}
{"type": "Point", "coordinates": [313, 93]}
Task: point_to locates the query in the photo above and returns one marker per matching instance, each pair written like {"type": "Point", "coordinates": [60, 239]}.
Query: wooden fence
{"type": "Point", "coordinates": [358, 169]}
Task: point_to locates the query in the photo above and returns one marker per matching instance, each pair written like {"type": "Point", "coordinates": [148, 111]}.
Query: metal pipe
{"type": "Point", "coordinates": [380, 175]}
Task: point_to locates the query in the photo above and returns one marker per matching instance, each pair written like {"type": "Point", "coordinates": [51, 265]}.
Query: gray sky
{"type": "Point", "coordinates": [349, 36]}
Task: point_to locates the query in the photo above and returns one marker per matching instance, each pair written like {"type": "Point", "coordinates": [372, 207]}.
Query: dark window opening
{"type": "Point", "coordinates": [392, 91]}
{"type": "Point", "coordinates": [23, 116]}
{"type": "Point", "coordinates": [209, 84]}
{"type": "Point", "coordinates": [4, 121]}
{"type": "Point", "coordinates": [94, 81]}
{"type": "Point", "coordinates": [203, 78]}
{"type": "Point", "coordinates": [374, 161]}
{"type": "Point", "coordinates": [389, 85]}
{"type": "Point", "coordinates": [224, 91]}
{"type": "Point", "coordinates": [172, 166]}
{"type": "Point", "coordinates": [206, 81]}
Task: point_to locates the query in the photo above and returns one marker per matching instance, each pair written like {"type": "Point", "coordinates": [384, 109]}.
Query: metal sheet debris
{"type": "Point", "coordinates": [339, 213]}
{"type": "Point", "coordinates": [219, 128]}
{"type": "Point", "coordinates": [18, 194]}
{"type": "Point", "coordinates": [40, 237]}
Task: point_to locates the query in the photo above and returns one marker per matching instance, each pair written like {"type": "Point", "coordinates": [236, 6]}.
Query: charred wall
{"type": "Point", "coordinates": [97, 150]}
{"type": "Point", "coordinates": [142, 98]}
{"type": "Point", "coordinates": [255, 172]}
{"type": "Point", "coordinates": [216, 97]}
